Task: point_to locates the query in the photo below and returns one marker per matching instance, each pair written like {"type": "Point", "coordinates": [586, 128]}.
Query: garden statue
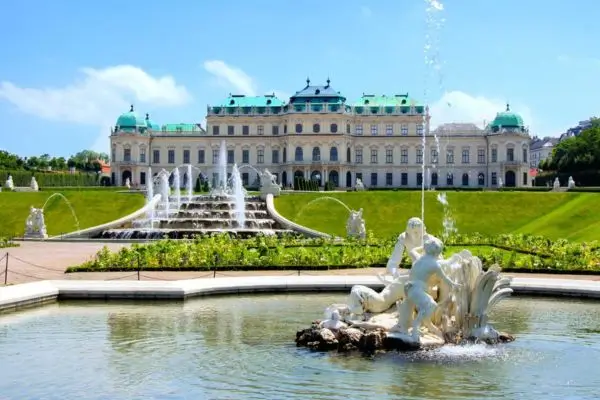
{"type": "Point", "coordinates": [128, 183]}
{"type": "Point", "coordinates": [410, 239]}
{"type": "Point", "coordinates": [10, 185]}
{"type": "Point", "coordinates": [268, 184]}
{"type": "Point", "coordinates": [500, 183]}
{"type": "Point", "coordinates": [426, 266]}
{"type": "Point", "coordinates": [34, 185]}
{"type": "Point", "coordinates": [355, 226]}
{"type": "Point", "coordinates": [451, 297]}
{"type": "Point", "coordinates": [359, 186]}
{"type": "Point", "coordinates": [571, 183]}
{"type": "Point", "coordinates": [556, 183]}
{"type": "Point", "coordinates": [35, 227]}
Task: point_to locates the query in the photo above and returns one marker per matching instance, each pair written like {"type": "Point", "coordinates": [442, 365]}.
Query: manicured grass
{"type": "Point", "coordinates": [91, 208]}
{"type": "Point", "coordinates": [555, 215]}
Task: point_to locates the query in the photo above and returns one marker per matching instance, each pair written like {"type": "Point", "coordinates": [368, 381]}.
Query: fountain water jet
{"type": "Point", "coordinates": [223, 166]}
{"type": "Point", "coordinates": [165, 191]}
{"type": "Point", "coordinates": [150, 196]}
{"type": "Point", "coordinates": [177, 187]}
{"type": "Point", "coordinates": [189, 184]}
{"type": "Point", "coordinates": [238, 194]}
{"type": "Point", "coordinates": [322, 198]}
{"type": "Point", "coordinates": [67, 202]}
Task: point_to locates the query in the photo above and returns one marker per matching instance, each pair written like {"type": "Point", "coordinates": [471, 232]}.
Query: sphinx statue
{"type": "Point", "coordinates": [355, 225]}
{"type": "Point", "coordinates": [571, 183]}
{"type": "Point", "coordinates": [359, 185]}
{"type": "Point", "coordinates": [34, 185]}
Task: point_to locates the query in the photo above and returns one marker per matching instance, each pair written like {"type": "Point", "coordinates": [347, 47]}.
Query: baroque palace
{"type": "Point", "coordinates": [317, 134]}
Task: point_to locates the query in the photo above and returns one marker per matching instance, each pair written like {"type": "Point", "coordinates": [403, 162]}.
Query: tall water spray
{"type": "Point", "coordinates": [223, 166]}
{"type": "Point", "coordinates": [189, 182]}
{"type": "Point", "coordinates": [165, 191]}
{"type": "Point", "coordinates": [177, 187]}
{"type": "Point", "coordinates": [150, 196]}
{"type": "Point", "coordinates": [433, 22]}
{"type": "Point", "coordinates": [238, 197]}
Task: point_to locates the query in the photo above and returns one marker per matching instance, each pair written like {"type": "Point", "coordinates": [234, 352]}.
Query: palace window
{"type": "Point", "coordinates": [358, 129]}
{"type": "Point", "coordinates": [245, 130]}
{"type": "Point", "coordinates": [358, 156]}
{"type": "Point", "coordinates": [374, 130]}
{"type": "Point", "coordinates": [171, 156]}
{"type": "Point", "coordinates": [480, 156]}
{"type": "Point", "coordinates": [450, 156]}
{"type": "Point", "coordinates": [374, 156]}
{"type": "Point", "coordinates": [156, 156]}
{"type": "Point", "coordinates": [186, 156]}
{"type": "Point", "coordinates": [404, 129]}
{"type": "Point", "coordinates": [465, 156]}
{"type": "Point", "coordinates": [201, 156]}
{"type": "Point", "coordinates": [245, 156]}
{"type": "Point", "coordinates": [419, 156]}
{"type": "Point", "coordinates": [230, 130]}
{"type": "Point", "coordinates": [260, 130]}
{"type": "Point", "coordinates": [389, 129]}
{"type": "Point", "coordinates": [260, 156]}
{"type": "Point", "coordinates": [404, 156]}
{"type": "Point", "coordinates": [420, 129]}
{"type": "Point", "coordinates": [389, 156]}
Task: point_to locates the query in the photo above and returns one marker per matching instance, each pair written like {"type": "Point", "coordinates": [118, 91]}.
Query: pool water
{"type": "Point", "coordinates": [242, 347]}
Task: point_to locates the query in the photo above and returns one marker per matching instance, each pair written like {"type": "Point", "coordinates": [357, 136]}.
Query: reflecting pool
{"type": "Point", "coordinates": [242, 347]}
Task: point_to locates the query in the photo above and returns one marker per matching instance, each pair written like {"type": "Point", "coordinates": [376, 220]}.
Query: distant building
{"type": "Point", "coordinates": [541, 149]}
{"type": "Point", "coordinates": [317, 134]}
{"type": "Point", "coordinates": [576, 130]}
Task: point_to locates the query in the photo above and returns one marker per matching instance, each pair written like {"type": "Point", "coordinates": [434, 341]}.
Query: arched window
{"type": "Point", "coordinates": [434, 179]}
{"type": "Point", "coordinates": [481, 179]}
{"type": "Point", "coordinates": [333, 154]}
{"type": "Point", "coordinates": [465, 179]}
{"type": "Point", "coordinates": [316, 128]}
{"type": "Point", "coordinates": [284, 157]}
{"type": "Point", "coordinates": [348, 155]}
{"type": "Point", "coordinates": [298, 128]}
{"type": "Point", "coordinates": [299, 154]}
{"type": "Point", "coordinates": [333, 128]}
{"type": "Point", "coordinates": [450, 179]}
{"type": "Point", "coordinates": [316, 154]}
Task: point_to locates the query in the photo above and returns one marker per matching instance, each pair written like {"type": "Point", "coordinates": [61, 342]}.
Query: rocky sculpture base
{"type": "Point", "coordinates": [370, 341]}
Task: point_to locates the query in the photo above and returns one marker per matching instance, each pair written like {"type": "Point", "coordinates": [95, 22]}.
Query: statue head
{"type": "Point", "coordinates": [433, 247]}
{"type": "Point", "coordinates": [414, 227]}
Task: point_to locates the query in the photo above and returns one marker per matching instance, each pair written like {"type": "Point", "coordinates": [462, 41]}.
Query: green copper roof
{"type": "Point", "coordinates": [182, 127]}
{"type": "Point", "coordinates": [399, 100]}
{"type": "Point", "coordinates": [151, 124]}
{"type": "Point", "coordinates": [130, 120]}
{"type": "Point", "coordinates": [240, 100]}
{"type": "Point", "coordinates": [507, 119]}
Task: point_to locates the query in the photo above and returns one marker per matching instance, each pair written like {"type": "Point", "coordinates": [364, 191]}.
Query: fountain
{"type": "Point", "coordinates": [571, 183]}
{"type": "Point", "coordinates": [150, 196]}
{"type": "Point", "coordinates": [438, 301]}
{"type": "Point", "coordinates": [165, 191]}
{"type": "Point", "coordinates": [10, 185]}
{"type": "Point", "coordinates": [34, 185]}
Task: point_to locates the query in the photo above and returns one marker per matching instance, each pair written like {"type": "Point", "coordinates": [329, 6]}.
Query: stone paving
{"type": "Point", "coordinates": [35, 261]}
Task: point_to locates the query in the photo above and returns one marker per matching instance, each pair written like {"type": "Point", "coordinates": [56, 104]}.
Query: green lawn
{"type": "Point", "coordinates": [555, 215]}
{"type": "Point", "coordinates": [91, 208]}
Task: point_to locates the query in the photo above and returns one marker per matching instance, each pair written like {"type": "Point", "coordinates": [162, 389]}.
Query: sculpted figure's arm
{"type": "Point", "coordinates": [396, 257]}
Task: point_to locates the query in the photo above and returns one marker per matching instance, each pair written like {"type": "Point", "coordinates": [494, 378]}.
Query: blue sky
{"type": "Point", "coordinates": [71, 67]}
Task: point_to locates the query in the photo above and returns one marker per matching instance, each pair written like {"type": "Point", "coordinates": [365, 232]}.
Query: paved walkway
{"type": "Point", "coordinates": [34, 261]}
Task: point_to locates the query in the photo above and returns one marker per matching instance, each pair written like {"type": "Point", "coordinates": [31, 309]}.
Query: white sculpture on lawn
{"type": "Point", "coordinates": [355, 225]}
{"type": "Point", "coordinates": [128, 183]}
{"type": "Point", "coordinates": [268, 184]}
{"type": "Point", "coordinates": [35, 226]}
{"type": "Point", "coordinates": [452, 297]}
{"type": "Point", "coordinates": [10, 185]}
{"type": "Point", "coordinates": [34, 185]}
{"type": "Point", "coordinates": [571, 183]}
{"type": "Point", "coordinates": [556, 183]}
{"type": "Point", "coordinates": [359, 185]}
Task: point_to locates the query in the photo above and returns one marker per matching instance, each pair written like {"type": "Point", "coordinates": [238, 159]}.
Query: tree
{"type": "Point", "coordinates": [577, 153]}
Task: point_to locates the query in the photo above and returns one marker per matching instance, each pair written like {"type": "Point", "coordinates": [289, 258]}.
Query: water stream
{"type": "Point", "coordinates": [67, 202]}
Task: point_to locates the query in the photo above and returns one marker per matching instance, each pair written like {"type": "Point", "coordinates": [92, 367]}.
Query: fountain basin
{"type": "Point", "coordinates": [239, 347]}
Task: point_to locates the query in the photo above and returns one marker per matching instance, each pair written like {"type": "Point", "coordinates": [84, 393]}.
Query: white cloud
{"type": "Point", "coordinates": [97, 98]}
{"type": "Point", "coordinates": [457, 106]}
{"type": "Point", "coordinates": [231, 78]}
{"type": "Point", "coordinates": [366, 11]}
{"type": "Point", "coordinates": [235, 79]}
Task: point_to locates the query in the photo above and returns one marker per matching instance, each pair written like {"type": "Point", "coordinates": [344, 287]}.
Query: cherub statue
{"type": "Point", "coordinates": [35, 224]}
{"type": "Point", "coordinates": [426, 266]}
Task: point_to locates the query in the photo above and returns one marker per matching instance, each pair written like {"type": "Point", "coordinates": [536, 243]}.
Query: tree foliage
{"type": "Point", "coordinates": [577, 153]}
{"type": "Point", "coordinates": [86, 160]}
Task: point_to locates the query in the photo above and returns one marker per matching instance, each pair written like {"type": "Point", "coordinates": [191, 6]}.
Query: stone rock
{"type": "Point", "coordinates": [349, 339]}
{"type": "Point", "coordinates": [373, 341]}
{"type": "Point", "coordinates": [317, 339]}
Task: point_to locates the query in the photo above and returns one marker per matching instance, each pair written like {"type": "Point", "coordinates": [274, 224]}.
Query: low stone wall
{"type": "Point", "coordinates": [89, 232]}
{"type": "Point", "coordinates": [286, 223]}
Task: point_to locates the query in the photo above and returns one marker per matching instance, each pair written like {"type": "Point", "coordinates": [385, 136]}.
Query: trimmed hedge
{"type": "Point", "coordinates": [50, 179]}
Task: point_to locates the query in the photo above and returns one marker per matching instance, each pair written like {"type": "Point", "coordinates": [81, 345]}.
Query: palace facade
{"type": "Point", "coordinates": [317, 134]}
